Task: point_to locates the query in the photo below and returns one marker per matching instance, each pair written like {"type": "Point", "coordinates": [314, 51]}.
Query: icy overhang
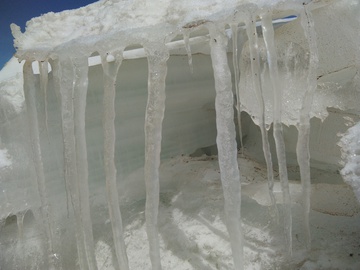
{"type": "Point", "coordinates": [123, 23]}
{"type": "Point", "coordinates": [279, 82]}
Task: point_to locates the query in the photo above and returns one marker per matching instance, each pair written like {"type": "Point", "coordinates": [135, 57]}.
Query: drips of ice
{"type": "Point", "coordinates": [188, 51]}
{"type": "Point", "coordinates": [259, 92]}
{"type": "Point", "coordinates": [73, 88]}
{"type": "Point", "coordinates": [157, 55]}
{"type": "Point", "coordinates": [268, 32]}
{"type": "Point", "coordinates": [79, 98]}
{"type": "Point", "coordinates": [302, 147]}
{"type": "Point", "coordinates": [45, 212]}
{"type": "Point", "coordinates": [234, 31]}
{"type": "Point", "coordinates": [226, 144]}
{"type": "Point", "coordinates": [110, 72]}
{"type": "Point", "coordinates": [265, 81]}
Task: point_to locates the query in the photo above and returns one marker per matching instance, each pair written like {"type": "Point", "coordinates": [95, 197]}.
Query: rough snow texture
{"type": "Point", "coordinates": [350, 146]}
{"type": "Point", "coordinates": [5, 159]}
{"type": "Point", "coordinates": [110, 16]}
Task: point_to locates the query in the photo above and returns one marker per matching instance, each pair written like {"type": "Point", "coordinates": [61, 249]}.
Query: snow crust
{"type": "Point", "coordinates": [350, 145]}
{"type": "Point", "coordinates": [53, 29]}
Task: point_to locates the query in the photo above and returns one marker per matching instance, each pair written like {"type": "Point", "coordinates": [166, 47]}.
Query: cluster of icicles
{"type": "Point", "coordinates": [71, 79]}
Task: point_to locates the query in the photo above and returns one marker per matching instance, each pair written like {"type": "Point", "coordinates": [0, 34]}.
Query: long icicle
{"type": "Point", "coordinates": [226, 143]}
{"type": "Point", "coordinates": [157, 55]}
{"type": "Point", "coordinates": [80, 92]}
{"type": "Point", "coordinates": [302, 147]}
{"type": "Point", "coordinates": [110, 72]}
{"type": "Point", "coordinates": [256, 78]}
{"type": "Point", "coordinates": [30, 98]}
{"type": "Point", "coordinates": [268, 33]}
{"type": "Point", "coordinates": [64, 68]}
{"type": "Point", "coordinates": [56, 77]}
{"type": "Point", "coordinates": [234, 31]}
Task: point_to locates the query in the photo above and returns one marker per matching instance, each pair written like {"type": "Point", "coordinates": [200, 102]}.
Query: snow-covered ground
{"type": "Point", "coordinates": [191, 222]}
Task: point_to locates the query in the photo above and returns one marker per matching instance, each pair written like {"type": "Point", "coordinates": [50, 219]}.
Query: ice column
{"type": "Point", "coordinates": [157, 55]}
{"type": "Point", "coordinates": [234, 31]}
{"type": "Point", "coordinates": [110, 72]}
{"type": "Point", "coordinates": [30, 97]}
{"type": "Point", "coordinates": [73, 89]}
{"type": "Point", "coordinates": [226, 143]}
{"type": "Point", "coordinates": [302, 147]}
{"type": "Point", "coordinates": [268, 33]}
{"type": "Point", "coordinates": [256, 78]}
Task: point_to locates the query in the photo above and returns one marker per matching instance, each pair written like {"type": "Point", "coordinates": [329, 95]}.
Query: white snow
{"type": "Point", "coordinates": [54, 29]}
{"type": "Point", "coordinates": [350, 146]}
{"type": "Point", "coordinates": [282, 81]}
{"type": "Point", "coordinates": [5, 159]}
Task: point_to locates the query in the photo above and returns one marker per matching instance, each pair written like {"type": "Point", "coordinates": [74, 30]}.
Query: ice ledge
{"type": "Point", "coordinates": [110, 18]}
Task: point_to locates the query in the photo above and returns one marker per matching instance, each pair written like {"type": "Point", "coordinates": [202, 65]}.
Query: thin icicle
{"type": "Point", "coordinates": [188, 51]}
{"type": "Point", "coordinates": [157, 55]}
{"type": "Point", "coordinates": [44, 70]}
{"type": "Point", "coordinates": [268, 33]}
{"type": "Point", "coordinates": [302, 147]}
{"type": "Point", "coordinates": [30, 98]}
{"type": "Point", "coordinates": [110, 72]}
{"type": "Point", "coordinates": [73, 87]}
{"type": "Point", "coordinates": [256, 78]}
{"type": "Point", "coordinates": [56, 72]}
{"type": "Point", "coordinates": [226, 143]}
{"type": "Point", "coordinates": [80, 92]}
{"type": "Point", "coordinates": [234, 30]}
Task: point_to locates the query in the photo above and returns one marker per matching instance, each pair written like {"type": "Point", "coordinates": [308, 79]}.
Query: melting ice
{"type": "Point", "coordinates": [273, 80]}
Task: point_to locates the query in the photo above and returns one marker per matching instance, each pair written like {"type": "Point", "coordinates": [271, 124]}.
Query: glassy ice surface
{"type": "Point", "coordinates": [99, 170]}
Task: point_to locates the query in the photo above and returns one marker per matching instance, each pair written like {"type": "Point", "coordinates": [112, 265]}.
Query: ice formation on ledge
{"type": "Point", "coordinates": [276, 83]}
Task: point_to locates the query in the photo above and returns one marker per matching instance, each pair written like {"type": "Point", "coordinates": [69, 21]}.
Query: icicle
{"type": "Point", "coordinates": [30, 98]}
{"type": "Point", "coordinates": [56, 72]}
{"type": "Point", "coordinates": [256, 77]}
{"type": "Point", "coordinates": [110, 72]}
{"type": "Point", "coordinates": [44, 70]}
{"type": "Point", "coordinates": [302, 147]}
{"type": "Point", "coordinates": [157, 55]}
{"type": "Point", "coordinates": [226, 143]}
{"type": "Point", "coordinates": [188, 51]}
{"type": "Point", "coordinates": [73, 89]}
{"type": "Point", "coordinates": [268, 33]}
{"type": "Point", "coordinates": [20, 224]}
{"type": "Point", "coordinates": [234, 30]}
{"type": "Point", "coordinates": [80, 92]}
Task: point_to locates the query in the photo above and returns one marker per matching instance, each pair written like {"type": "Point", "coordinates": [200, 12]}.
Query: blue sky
{"type": "Point", "coordinates": [21, 11]}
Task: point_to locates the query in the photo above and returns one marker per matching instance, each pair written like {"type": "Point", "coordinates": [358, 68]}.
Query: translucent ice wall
{"type": "Point", "coordinates": [284, 76]}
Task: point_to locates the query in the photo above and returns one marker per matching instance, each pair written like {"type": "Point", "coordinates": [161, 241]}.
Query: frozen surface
{"type": "Point", "coordinates": [75, 154]}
